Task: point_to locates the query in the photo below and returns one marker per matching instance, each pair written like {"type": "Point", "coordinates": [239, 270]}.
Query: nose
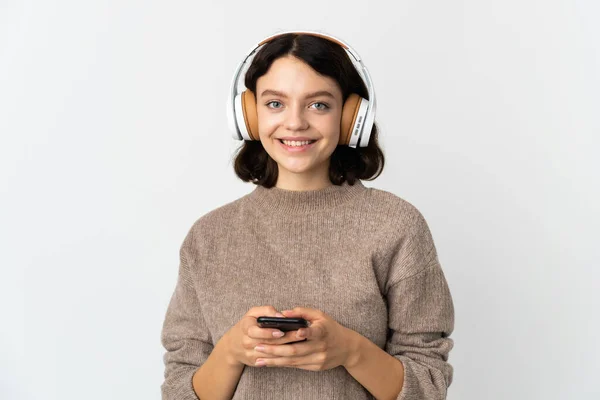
{"type": "Point", "coordinates": [295, 119]}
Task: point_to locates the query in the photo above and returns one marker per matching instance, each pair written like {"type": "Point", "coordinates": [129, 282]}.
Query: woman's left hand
{"type": "Point", "coordinates": [328, 344]}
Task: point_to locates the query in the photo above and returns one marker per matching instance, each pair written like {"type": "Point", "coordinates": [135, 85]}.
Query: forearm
{"type": "Point", "coordinates": [218, 377]}
{"type": "Point", "coordinates": [380, 373]}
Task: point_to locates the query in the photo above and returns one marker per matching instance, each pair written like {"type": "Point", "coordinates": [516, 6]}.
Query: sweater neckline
{"type": "Point", "coordinates": [279, 200]}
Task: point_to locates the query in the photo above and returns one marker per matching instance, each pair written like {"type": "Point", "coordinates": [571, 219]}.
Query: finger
{"type": "Point", "coordinates": [308, 314]}
{"type": "Point", "coordinates": [306, 360]}
{"type": "Point", "coordinates": [316, 331]}
{"type": "Point", "coordinates": [289, 338]}
{"type": "Point", "coordinates": [304, 333]}
{"type": "Point", "coordinates": [285, 341]}
{"type": "Point", "coordinates": [252, 315]}
{"type": "Point", "coordinates": [256, 332]}
{"type": "Point", "coordinates": [291, 350]}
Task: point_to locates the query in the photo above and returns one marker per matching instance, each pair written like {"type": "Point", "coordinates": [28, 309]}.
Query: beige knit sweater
{"type": "Point", "coordinates": [364, 256]}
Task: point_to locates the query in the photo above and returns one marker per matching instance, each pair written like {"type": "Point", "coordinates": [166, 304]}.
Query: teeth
{"type": "Point", "coordinates": [295, 143]}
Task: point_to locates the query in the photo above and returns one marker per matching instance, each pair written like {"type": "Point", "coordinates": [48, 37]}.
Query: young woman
{"type": "Point", "coordinates": [310, 241]}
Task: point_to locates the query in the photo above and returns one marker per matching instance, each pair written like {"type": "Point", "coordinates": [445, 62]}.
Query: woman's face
{"type": "Point", "coordinates": [288, 108]}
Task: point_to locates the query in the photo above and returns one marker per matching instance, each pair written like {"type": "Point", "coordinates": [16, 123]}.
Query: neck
{"type": "Point", "coordinates": [299, 186]}
{"type": "Point", "coordinates": [315, 180]}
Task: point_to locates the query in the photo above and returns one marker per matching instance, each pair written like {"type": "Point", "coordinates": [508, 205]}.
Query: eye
{"type": "Point", "coordinates": [274, 101]}
{"type": "Point", "coordinates": [323, 108]}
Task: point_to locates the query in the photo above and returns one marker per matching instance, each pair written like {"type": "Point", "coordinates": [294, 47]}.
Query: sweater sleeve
{"type": "Point", "coordinates": [184, 335]}
{"type": "Point", "coordinates": [421, 316]}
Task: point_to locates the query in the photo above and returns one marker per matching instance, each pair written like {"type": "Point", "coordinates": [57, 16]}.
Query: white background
{"type": "Point", "coordinates": [114, 141]}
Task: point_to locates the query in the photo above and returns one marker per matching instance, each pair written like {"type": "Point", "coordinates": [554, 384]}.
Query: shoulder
{"type": "Point", "coordinates": [400, 224]}
{"type": "Point", "coordinates": [405, 234]}
{"type": "Point", "coordinates": [393, 209]}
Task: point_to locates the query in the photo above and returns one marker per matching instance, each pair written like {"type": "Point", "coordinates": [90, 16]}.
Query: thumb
{"type": "Point", "coordinates": [308, 314]}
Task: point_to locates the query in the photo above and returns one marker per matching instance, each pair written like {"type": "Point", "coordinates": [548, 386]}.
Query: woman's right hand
{"type": "Point", "coordinates": [246, 334]}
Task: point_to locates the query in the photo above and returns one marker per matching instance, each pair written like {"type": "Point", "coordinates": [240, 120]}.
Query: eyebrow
{"type": "Point", "coordinates": [308, 96]}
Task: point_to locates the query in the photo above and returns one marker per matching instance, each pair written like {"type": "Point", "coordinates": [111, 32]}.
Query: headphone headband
{"type": "Point", "coordinates": [360, 135]}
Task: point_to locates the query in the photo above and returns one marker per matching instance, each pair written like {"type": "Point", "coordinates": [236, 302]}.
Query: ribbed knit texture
{"type": "Point", "coordinates": [364, 256]}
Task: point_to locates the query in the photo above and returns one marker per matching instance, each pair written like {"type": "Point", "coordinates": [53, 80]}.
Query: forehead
{"type": "Point", "coordinates": [294, 77]}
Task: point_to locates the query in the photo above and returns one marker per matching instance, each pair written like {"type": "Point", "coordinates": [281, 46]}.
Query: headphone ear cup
{"type": "Point", "coordinates": [250, 114]}
{"type": "Point", "coordinates": [349, 115]}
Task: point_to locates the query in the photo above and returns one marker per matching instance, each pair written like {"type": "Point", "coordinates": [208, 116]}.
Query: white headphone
{"type": "Point", "coordinates": [358, 113]}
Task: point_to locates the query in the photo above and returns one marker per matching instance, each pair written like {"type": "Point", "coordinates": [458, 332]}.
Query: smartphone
{"type": "Point", "coordinates": [282, 323]}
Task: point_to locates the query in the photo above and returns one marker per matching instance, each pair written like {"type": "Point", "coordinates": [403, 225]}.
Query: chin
{"type": "Point", "coordinates": [301, 170]}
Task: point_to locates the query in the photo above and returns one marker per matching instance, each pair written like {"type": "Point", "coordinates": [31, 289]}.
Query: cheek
{"type": "Point", "coordinates": [267, 124]}
{"type": "Point", "coordinates": [332, 127]}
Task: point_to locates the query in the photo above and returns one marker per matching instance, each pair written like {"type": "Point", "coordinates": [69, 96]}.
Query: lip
{"type": "Point", "coordinates": [296, 149]}
{"type": "Point", "coordinates": [296, 138]}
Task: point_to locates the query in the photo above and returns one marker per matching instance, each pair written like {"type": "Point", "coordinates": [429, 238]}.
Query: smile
{"type": "Point", "coordinates": [295, 149]}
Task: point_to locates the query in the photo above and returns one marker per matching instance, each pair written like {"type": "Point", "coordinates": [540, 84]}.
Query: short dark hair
{"type": "Point", "coordinates": [253, 163]}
